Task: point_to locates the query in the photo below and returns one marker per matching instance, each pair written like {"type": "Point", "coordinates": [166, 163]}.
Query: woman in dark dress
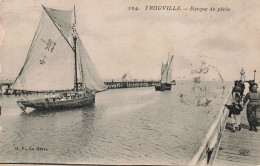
{"type": "Point", "coordinates": [254, 102]}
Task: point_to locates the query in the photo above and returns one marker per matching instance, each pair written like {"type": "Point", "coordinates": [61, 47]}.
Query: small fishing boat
{"type": "Point", "coordinates": [166, 76]}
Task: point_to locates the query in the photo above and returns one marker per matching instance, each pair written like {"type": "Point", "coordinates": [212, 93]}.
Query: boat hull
{"type": "Point", "coordinates": [163, 87]}
{"type": "Point", "coordinates": [49, 104]}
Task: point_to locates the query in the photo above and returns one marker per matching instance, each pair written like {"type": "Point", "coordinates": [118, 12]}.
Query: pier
{"type": "Point", "coordinates": [221, 146]}
{"type": "Point", "coordinates": [5, 86]}
{"type": "Point", "coordinates": [241, 147]}
{"type": "Point", "coordinates": [131, 84]}
{"type": "Point", "coordinates": [208, 149]}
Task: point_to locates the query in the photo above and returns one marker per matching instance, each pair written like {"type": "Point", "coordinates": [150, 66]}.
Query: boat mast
{"type": "Point", "coordinates": [161, 73]}
{"type": "Point", "coordinates": [168, 68]}
{"type": "Point", "coordinates": [75, 50]}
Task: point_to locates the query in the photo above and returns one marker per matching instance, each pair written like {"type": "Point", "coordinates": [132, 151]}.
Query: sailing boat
{"type": "Point", "coordinates": [166, 76]}
{"type": "Point", "coordinates": [58, 64]}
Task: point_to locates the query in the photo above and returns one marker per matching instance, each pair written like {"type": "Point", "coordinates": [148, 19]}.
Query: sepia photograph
{"type": "Point", "coordinates": [129, 82]}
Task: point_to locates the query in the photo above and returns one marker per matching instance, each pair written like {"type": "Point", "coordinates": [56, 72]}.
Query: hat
{"type": "Point", "coordinates": [237, 95]}
{"type": "Point", "coordinates": [254, 84]}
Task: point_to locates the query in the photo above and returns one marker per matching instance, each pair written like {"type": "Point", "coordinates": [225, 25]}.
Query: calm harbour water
{"type": "Point", "coordinates": [124, 126]}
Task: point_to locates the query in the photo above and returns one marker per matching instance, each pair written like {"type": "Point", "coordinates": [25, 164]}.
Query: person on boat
{"type": "Point", "coordinates": [53, 97]}
{"type": "Point", "coordinates": [46, 97]}
{"type": "Point", "coordinates": [254, 102]}
{"type": "Point", "coordinates": [63, 98]}
{"type": "Point", "coordinates": [69, 97]}
{"type": "Point", "coordinates": [234, 113]}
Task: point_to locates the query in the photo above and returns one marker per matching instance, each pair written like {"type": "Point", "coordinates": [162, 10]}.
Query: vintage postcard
{"type": "Point", "coordinates": [129, 82]}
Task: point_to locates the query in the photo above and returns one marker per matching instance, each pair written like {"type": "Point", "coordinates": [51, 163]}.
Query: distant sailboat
{"type": "Point", "coordinates": [58, 63]}
{"type": "Point", "coordinates": [166, 76]}
{"type": "Point", "coordinates": [127, 77]}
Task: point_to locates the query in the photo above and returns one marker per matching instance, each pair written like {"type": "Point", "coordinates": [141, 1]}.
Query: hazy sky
{"type": "Point", "coordinates": [119, 40]}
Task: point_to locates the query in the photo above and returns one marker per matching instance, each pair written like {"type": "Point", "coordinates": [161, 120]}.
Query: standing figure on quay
{"type": "Point", "coordinates": [254, 103]}
{"type": "Point", "coordinates": [239, 88]}
{"type": "Point", "coordinates": [234, 112]}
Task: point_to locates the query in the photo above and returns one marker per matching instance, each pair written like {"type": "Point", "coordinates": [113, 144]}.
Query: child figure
{"type": "Point", "coordinates": [234, 113]}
